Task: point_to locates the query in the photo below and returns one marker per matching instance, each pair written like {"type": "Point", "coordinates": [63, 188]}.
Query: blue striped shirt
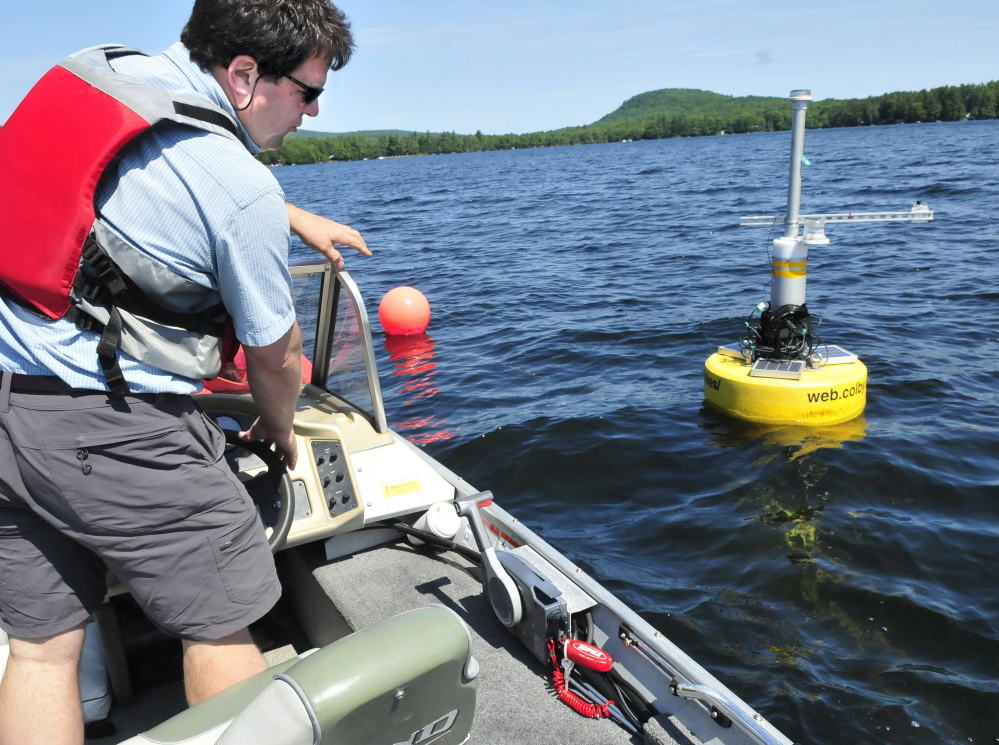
{"type": "Point", "coordinates": [197, 203]}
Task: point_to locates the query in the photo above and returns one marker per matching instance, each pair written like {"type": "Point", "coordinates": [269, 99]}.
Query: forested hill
{"type": "Point", "coordinates": [760, 113]}
{"type": "Point", "coordinates": [691, 102]}
{"type": "Point", "coordinates": [671, 112]}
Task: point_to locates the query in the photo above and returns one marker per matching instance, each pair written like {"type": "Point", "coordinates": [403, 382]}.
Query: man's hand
{"type": "Point", "coordinates": [322, 235]}
{"type": "Point", "coordinates": [284, 441]}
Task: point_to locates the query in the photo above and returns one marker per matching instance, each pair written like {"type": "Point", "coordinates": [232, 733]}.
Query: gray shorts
{"type": "Point", "coordinates": [138, 485]}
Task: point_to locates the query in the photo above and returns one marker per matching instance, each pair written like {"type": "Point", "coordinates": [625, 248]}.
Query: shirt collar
{"type": "Point", "coordinates": [205, 85]}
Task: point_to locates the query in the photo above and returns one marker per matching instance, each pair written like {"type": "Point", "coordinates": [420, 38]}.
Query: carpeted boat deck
{"type": "Point", "coordinates": [515, 702]}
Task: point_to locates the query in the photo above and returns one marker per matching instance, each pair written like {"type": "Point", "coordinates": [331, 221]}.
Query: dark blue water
{"type": "Point", "coordinates": [842, 580]}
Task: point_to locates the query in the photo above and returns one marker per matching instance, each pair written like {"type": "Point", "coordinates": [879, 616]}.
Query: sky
{"type": "Point", "coordinates": [526, 66]}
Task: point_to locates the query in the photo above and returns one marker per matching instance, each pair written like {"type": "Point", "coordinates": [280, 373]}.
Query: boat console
{"type": "Point", "coordinates": [352, 470]}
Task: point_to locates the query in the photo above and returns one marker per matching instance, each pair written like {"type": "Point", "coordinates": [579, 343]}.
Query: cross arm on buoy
{"type": "Point", "coordinates": [814, 233]}
{"type": "Point", "coordinates": [919, 212]}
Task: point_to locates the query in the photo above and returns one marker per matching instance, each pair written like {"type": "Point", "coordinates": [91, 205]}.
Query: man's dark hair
{"type": "Point", "coordinates": [279, 34]}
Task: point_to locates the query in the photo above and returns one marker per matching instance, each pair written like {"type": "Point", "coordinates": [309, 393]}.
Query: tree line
{"type": "Point", "coordinates": [947, 103]}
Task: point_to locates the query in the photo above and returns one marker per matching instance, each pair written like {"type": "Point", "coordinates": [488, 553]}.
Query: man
{"type": "Point", "coordinates": [136, 481]}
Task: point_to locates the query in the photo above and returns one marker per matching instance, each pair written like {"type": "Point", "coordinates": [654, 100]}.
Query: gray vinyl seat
{"type": "Point", "coordinates": [409, 678]}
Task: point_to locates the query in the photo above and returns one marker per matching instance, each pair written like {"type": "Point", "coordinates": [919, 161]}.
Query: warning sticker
{"type": "Point", "coordinates": [403, 487]}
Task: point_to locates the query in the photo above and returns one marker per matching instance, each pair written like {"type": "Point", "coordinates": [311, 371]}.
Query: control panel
{"type": "Point", "coordinates": [334, 476]}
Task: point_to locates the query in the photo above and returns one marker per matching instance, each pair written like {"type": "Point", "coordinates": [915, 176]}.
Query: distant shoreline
{"type": "Point", "coordinates": [656, 115]}
{"type": "Point", "coordinates": [304, 150]}
{"type": "Point", "coordinates": [535, 147]}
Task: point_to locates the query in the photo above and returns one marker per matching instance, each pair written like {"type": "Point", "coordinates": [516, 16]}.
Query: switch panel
{"type": "Point", "coordinates": [334, 476]}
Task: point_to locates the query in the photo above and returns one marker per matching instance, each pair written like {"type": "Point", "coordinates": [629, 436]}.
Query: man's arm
{"type": "Point", "coordinates": [322, 235]}
{"type": "Point", "coordinates": [275, 373]}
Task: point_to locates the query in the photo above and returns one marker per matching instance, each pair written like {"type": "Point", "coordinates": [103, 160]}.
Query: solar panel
{"type": "Point", "coordinates": [787, 369]}
{"type": "Point", "coordinates": [835, 355]}
{"type": "Point", "coordinates": [731, 351]}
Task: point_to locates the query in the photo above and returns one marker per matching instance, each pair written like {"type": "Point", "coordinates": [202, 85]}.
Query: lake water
{"type": "Point", "coordinates": [841, 580]}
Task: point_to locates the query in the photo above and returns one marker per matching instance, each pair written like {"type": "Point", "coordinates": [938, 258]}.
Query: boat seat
{"type": "Point", "coordinates": [409, 678]}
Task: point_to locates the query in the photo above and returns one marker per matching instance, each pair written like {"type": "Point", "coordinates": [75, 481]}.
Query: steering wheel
{"type": "Point", "coordinates": [271, 489]}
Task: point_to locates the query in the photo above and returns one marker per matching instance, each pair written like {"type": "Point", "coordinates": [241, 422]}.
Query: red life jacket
{"type": "Point", "coordinates": [56, 149]}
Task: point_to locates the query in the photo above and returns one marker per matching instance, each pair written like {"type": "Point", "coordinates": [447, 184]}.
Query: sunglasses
{"type": "Point", "coordinates": [310, 91]}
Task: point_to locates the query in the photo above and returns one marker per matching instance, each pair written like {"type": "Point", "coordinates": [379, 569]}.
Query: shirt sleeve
{"type": "Point", "coordinates": [251, 255]}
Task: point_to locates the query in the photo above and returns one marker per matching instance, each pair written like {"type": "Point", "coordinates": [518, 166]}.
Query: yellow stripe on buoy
{"type": "Point", "coordinates": [829, 395]}
{"type": "Point", "coordinates": [790, 269]}
{"type": "Point", "coordinates": [790, 275]}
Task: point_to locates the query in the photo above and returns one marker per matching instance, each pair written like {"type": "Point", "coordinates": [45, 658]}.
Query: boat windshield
{"type": "Point", "coordinates": [336, 343]}
{"type": "Point", "coordinates": [336, 338]}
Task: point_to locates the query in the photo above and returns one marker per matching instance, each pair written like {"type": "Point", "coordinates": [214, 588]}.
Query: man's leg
{"type": "Point", "coordinates": [40, 693]}
{"type": "Point", "coordinates": [210, 667]}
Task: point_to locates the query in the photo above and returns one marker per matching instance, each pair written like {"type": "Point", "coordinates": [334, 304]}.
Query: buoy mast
{"type": "Point", "coordinates": [799, 107]}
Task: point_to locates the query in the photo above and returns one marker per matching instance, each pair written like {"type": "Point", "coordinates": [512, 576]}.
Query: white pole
{"type": "Point", "coordinates": [799, 105]}
{"type": "Point", "coordinates": [790, 255]}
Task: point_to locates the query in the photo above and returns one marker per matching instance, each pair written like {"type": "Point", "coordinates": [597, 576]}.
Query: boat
{"type": "Point", "coordinates": [415, 610]}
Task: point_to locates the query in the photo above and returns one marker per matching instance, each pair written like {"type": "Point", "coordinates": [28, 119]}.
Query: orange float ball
{"type": "Point", "coordinates": [404, 311]}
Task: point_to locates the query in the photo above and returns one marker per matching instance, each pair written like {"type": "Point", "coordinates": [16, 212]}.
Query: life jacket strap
{"type": "Point", "coordinates": [107, 347]}
{"type": "Point", "coordinates": [107, 273]}
{"type": "Point", "coordinates": [206, 115]}
{"type": "Point", "coordinates": [84, 321]}
{"type": "Point", "coordinates": [107, 355]}
{"type": "Point", "coordinates": [129, 296]}
{"type": "Point", "coordinates": [108, 281]}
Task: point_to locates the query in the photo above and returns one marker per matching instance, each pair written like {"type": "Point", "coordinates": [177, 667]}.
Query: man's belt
{"type": "Point", "coordinates": [43, 384]}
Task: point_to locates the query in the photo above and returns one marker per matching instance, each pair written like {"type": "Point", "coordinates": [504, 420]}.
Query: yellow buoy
{"type": "Point", "coordinates": [832, 385]}
{"type": "Point", "coordinates": [829, 395]}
